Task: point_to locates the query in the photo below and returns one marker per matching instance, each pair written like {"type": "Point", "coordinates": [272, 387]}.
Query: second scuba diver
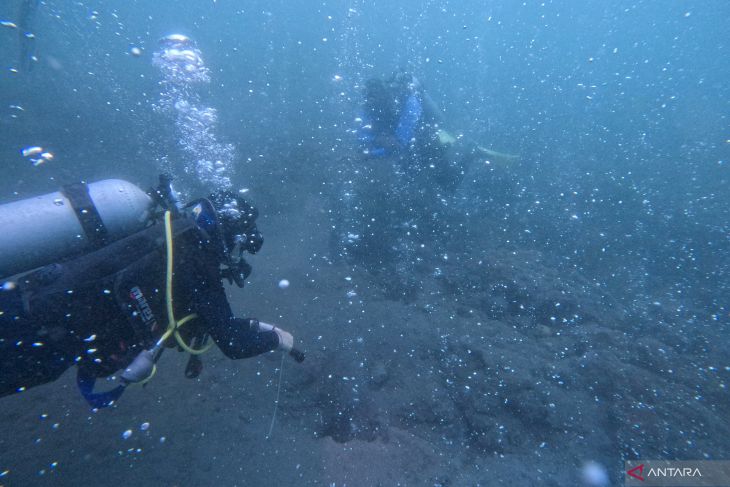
{"type": "Point", "coordinates": [116, 308]}
{"type": "Point", "coordinates": [401, 120]}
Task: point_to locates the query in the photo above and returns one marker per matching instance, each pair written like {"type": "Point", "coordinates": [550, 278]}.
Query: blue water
{"type": "Point", "coordinates": [619, 112]}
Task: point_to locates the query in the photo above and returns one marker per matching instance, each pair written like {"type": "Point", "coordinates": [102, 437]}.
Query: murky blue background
{"type": "Point", "coordinates": [619, 111]}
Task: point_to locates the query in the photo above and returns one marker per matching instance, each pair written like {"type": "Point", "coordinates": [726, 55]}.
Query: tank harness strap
{"type": "Point", "coordinates": [89, 218]}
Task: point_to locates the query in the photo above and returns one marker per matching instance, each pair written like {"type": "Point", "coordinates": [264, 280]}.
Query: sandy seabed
{"type": "Point", "coordinates": [500, 370]}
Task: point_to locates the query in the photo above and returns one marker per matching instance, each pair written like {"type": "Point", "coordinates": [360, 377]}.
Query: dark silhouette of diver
{"type": "Point", "coordinates": [115, 309]}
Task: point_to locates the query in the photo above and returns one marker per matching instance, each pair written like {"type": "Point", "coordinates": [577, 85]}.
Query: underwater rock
{"type": "Point", "coordinates": [378, 375]}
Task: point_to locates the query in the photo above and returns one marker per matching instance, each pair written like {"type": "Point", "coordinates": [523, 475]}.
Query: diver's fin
{"type": "Point", "coordinates": [499, 157]}
{"type": "Point", "coordinates": [445, 138]}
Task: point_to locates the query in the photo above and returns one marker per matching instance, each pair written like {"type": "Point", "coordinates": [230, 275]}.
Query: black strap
{"type": "Point", "coordinates": [86, 212]}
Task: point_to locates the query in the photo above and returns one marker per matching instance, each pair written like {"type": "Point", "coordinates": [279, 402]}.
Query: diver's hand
{"type": "Point", "coordinates": [286, 340]}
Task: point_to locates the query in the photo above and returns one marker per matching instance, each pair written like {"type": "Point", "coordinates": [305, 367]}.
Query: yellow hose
{"type": "Point", "coordinates": [173, 326]}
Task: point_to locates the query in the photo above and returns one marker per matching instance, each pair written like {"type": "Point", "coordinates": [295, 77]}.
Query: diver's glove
{"type": "Point", "coordinates": [286, 340]}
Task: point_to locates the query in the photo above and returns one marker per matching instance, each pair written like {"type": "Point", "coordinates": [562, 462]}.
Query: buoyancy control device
{"type": "Point", "coordinates": [79, 218]}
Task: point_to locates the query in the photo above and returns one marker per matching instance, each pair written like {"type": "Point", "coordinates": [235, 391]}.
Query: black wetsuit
{"type": "Point", "coordinates": [101, 310]}
{"type": "Point", "coordinates": [437, 165]}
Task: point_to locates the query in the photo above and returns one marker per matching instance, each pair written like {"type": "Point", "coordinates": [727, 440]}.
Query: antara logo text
{"type": "Point", "coordinates": [663, 472]}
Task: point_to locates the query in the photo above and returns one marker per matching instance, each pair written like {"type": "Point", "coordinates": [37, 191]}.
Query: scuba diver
{"type": "Point", "coordinates": [400, 119]}
{"type": "Point", "coordinates": [401, 201]}
{"type": "Point", "coordinates": [142, 284]}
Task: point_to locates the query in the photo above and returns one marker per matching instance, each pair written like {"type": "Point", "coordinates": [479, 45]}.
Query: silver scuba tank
{"type": "Point", "coordinates": [79, 218]}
